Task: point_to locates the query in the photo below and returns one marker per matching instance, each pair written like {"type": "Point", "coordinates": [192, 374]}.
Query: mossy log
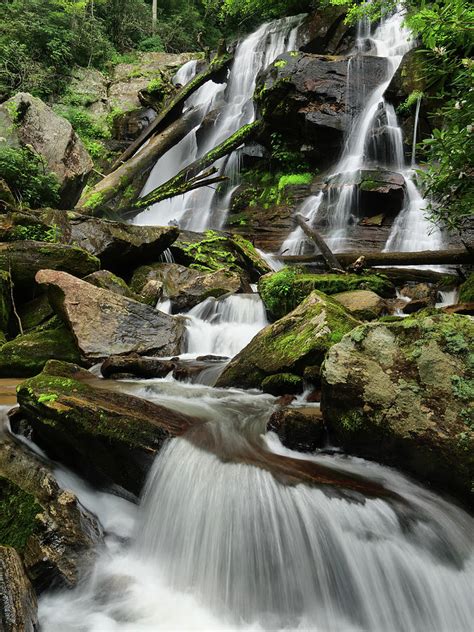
{"type": "Point", "coordinates": [123, 178]}
{"type": "Point", "coordinates": [174, 107]}
{"type": "Point", "coordinates": [189, 178]}
{"type": "Point", "coordinates": [452, 256]}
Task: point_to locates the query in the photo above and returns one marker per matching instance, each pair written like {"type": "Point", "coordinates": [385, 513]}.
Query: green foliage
{"type": "Point", "coordinates": [410, 101]}
{"type": "Point", "coordinates": [28, 178]}
{"type": "Point", "coordinates": [286, 157]}
{"type": "Point", "coordinates": [466, 290]}
{"type": "Point", "coordinates": [294, 179]}
{"type": "Point", "coordinates": [90, 131]}
{"type": "Point", "coordinates": [152, 44]}
{"type": "Point", "coordinates": [33, 232]}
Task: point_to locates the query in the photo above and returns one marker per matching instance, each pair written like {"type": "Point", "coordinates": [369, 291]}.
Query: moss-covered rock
{"type": "Point", "coordinates": [282, 384]}
{"type": "Point", "coordinates": [362, 304]}
{"type": "Point", "coordinates": [27, 354]}
{"type": "Point", "coordinates": [466, 290]}
{"type": "Point", "coordinates": [35, 312]}
{"type": "Point", "coordinates": [107, 436]}
{"type": "Point", "coordinates": [282, 291]}
{"type": "Point", "coordinates": [109, 281]}
{"type": "Point", "coordinates": [298, 340]}
{"type": "Point", "coordinates": [403, 392]}
{"type": "Point", "coordinates": [18, 511]}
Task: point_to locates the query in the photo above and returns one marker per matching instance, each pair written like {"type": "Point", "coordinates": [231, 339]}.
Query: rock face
{"type": "Point", "coordinates": [45, 523]}
{"type": "Point", "coordinates": [307, 94]}
{"type": "Point", "coordinates": [24, 258]}
{"type": "Point", "coordinates": [300, 339]}
{"type": "Point", "coordinates": [17, 598]}
{"type": "Point", "coordinates": [402, 392]}
{"type": "Point", "coordinates": [282, 291]}
{"type": "Point", "coordinates": [104, 323]}
{"type": "Point", "coordinates": [186, 287]}
{"type": "Point", "coordinates": [107, 436]}
{"type": "Point", "coordinates": [362, 304]}
{"type": "Point", "coordinates": [324, 32]}
{"type": "Point", "coordinates": [26, 120]}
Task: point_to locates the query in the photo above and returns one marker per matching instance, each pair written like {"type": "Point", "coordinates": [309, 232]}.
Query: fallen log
{"type": "Point", "coordinates": [402, 275]}
{"type": "Point", "coordinates": [453, 256]}
{"type": "Point", "coordinates": [126, 175]}
{"type": "Point", "coordinates": [174, 107]}
{"type": "Point", "coordinates": [188, 178]}
{"type": "Point", "coordinates": [327, 254]}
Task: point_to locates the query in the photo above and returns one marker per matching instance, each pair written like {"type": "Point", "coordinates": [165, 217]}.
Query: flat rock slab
{"type": "Point", "coordinates": [105, 323]}
{"type": "Point", "coordinates": [107, 436]}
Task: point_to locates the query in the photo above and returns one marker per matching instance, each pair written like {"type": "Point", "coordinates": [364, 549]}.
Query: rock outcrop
{"type": "Point", "coordinates": [25, 120]}
{"type": "Point", "coordinates": [107, 436]}
{"type": "Point", "coordinates": [402, 392]}
{"type": "Point", "coordinates": [18, 607]}
{"type": "Point", "coordinates": [104, 323]}
{"type": "Point", "coordinates": [292, 343]}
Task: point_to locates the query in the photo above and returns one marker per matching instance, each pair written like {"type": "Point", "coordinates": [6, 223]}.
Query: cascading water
{"type": "Point", "coordinates": [295, 243]}
{"type": "Point", "coordinates": [202, 208]}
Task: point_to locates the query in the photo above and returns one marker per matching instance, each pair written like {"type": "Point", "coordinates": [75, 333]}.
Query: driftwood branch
{"type": "Point", "coordinates": [175, 105]}
{"type": "Point", "coordinates": [188, 178]}
{"type": "Point", "coordinates": [452, 256]}
{"type": "Point", "coordinates": [326, 253]}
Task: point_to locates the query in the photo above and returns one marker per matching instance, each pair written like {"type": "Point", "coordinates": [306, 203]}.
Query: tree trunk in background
{"type": "Point", "coordinates": [154, 15]}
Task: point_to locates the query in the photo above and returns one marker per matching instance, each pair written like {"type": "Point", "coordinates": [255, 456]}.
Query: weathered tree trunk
{"type": "Point", "coordinates": [175, 105]}
{"type": "Point", "coordinates": [189, 178]}
{"type": "Point", "coordinates": [328, 256]}
{"type": "Point", "coordinates": [124, 176]}
{"type": "Point", "coordinates": [426, 257]}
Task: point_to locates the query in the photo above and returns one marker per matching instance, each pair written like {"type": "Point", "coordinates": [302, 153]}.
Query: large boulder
{"type": "Point", "coordinates": [186, 287]}
{"type": "Point", "coordinates": [294, 342]}
{"type": "Point", "coordinates": [27, 121]}
{"type": "Point", "coordinates": [53, 533]}
{"type": "Point", "coordinates": [104, 323]}
{"type": "Point", "coordinates": [282, 291]}
{"type": "Point", "coordinates": [107, 436]}
{"type": "Point", "coordinates": [403, 392]}
{"type": "Point", "coordinates": [27, 354]}
{"type": "Point", "coordinates": [18, 607]}
{"type": "Point", "coordinates": [362, 304]}
{"type": "Point", "coordinates": [311, 96]}
{"type": "Point", "coordinates": [23, 259]}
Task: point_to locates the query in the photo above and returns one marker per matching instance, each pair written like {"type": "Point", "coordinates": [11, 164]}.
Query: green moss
{"type": "Point", "coordinates": [284, 290]}
{"type": "Point", "coordinates": [466, 290]}
{"type": "Point", "coordinates": [18, 512]}
{"type": "Point", "coordinates": [211, 253]}
{"type": "Point", "coordinates": [463, 388]}
{"type": "Point", "coordinates": [294, 179]}
{"type": "Point", "coordinates": [352, 420]}
{"type": "Point", "coordinates": [95, 200]}
{"type": "Point", "coordinates": [282, 384]}
{"type": "Point", "coordinates": [5, 300]}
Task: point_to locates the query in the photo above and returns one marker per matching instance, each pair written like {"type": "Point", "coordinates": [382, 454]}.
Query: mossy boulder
{"type": "Point", "coordinates": [27, 354]}
{"type": "Point", "coordinates": [294, 342]}
{"type": "Point", "coordinates": [47, 526]}
{"type": "Point", "coordinates": [107, 436]}
{"type": "Point", "coordinates": [18, 606]}
{"type": "Point", "coordinates": [282, 291]}
{"type": "Point", "coordinates": [185, 287]}
{"type": "Point", "coordinates": [35, 312]}
{"type": "Point", "coordinates": [466, 290]}
{"type": "Point", "coordinates": [282, 384]}
{"type": "Point", "coordinates": [362, 304]}
{"type": "Point", "coordinates": [23, 259]}
{"type": "Point", "coordinates": [108, 281]}
{"type": "Point", "coordinates": [402, 392]}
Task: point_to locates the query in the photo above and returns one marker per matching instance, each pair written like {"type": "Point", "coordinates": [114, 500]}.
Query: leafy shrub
{"type": "Point", "coordinates": [152, 44]}
{"type": "Point", "coordinates": [28, 177]}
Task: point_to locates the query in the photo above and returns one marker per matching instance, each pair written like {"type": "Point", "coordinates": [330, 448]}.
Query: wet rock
{"type": "Point", "coordinates": [324, 32]}
{"type": "Point", "coordinates": [108, 281]}
{"type": "Point", "coordinates": [6, 306]}
{"type": "Point", "coordinates": [416, 305]}
{"type": "Point", "coordinates": [290, 344]}
{"type": "Point", "coordinates": [54, 534]}
{"type": "Point", "coordinates": [282, 291]}
{"type": "Point", "coordinates": [185, 287]}
{"type": "Point", "coordinates": [18, 607]}
{"type": "Point", "coordinates": [282, 384]}
{"type": "Point", "coordinates": [299, 428]}
{"type": "Point", "coordinates": [24, 258]}
{"type": "Point", "coordinates": [362, 304]}
{"type": "Point", "coordinates": [107, 436]}
{"type": "Point", "coordinates": [27, 121]}
{"type": "Point", "coordinates": [420, 291]}
{"type": "Point", "coordinates": [307, 94]}
{"type": "Point", "coordinates": [460, 308]}
{"type": "Point", "coordinates": [401, 392]}
{"type": "Point", "coordinates": [137, 366]}
{"type": "Point", "coordinates": [105, 323]}
{"type": "Point", "coordinates": [129, 125]}
{"type": "Point", "coordinates": [27, 354]}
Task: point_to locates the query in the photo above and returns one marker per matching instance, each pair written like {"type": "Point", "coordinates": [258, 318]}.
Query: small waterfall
{"type": "Point", "coordinates": [296, 242]}
{"type": "Point", "coordinates": [223, 327]}
{"type": "Point", "coordinates": [203, 208]}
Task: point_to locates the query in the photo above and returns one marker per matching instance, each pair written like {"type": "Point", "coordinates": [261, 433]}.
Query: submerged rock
{"type": "Point", "coordinates": [105, 323]}
{"type": "Point", "coordinates": [185, 287]}
{"type": "Point", "coordinates": [402, 392]}
{"type": "Point", "coordinates": [297, 340]}
{"type": "Point", "coordinates": [18, 607]}
{"type": "Point", "coordinates": [25, 120]}
{"type": "Point", "coordinates": [109, 437]}
{"type": "Point", "coordinates": [282, 291]}
{"type": "Point", "coordinates": [54, 534]}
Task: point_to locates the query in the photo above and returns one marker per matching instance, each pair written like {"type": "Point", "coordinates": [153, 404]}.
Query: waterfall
{"type": "Point", "coordinates": [233, 107]}
{"type": "Point", "coordinates": [296, 242]}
